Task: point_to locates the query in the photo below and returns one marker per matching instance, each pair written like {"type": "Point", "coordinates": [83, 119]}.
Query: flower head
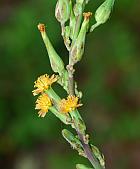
{"type": "Point", "coordinates": [102, 13]}
{"type": "Point", "coordinates": [41, 27]}
{"type": "Point", "coordinates": [43, 103]}
{"type": "Point", "coordinates": [69, 104]}
{"type": "Point", "coordinates": [43, 83]}
{"type": "Point", "coordinates": [87, 15]}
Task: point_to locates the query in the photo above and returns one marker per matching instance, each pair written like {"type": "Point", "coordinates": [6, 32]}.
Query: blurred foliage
{"type": "Point", "coordinates": [108, 75]}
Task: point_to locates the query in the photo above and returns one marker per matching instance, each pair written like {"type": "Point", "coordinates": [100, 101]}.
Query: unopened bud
{"type": "Point", "coordinates": [78, 47]}
{"type": "Point", "coordinates": [103, 12]}
{"type": "Point", "coordinates": [71, 138]}
{"type": "Point", "coordinates": [98, 155]}
{"type": "Point", "coordinates": [73, 141]}
{"type": "Point", "coordinates": [62, 11]}
{"type": "Point", "coordinates": [55, 60]}
{"type": "Point", "coordinates": [78, 8]}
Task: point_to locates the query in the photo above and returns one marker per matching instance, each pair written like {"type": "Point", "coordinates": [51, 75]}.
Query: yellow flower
{"type": "Point", "coordinates": [69, 104]}
{"type": "Point", "coordinates": [43, 103]}
{"type": "Point", "coordinates": [43, 83]}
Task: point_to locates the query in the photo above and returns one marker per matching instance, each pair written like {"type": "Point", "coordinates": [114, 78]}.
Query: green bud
{"type": "Point", "coordinates": [62, 11]}
{"type": "Point", "coordinates": [71, 138]}
{"type": "Point", "coordinates": [81, 166]}
{"type": "Point", "coordinates": [98, 155]}
{"type": "Point", "coordinates": [78, 9]}
{"type": "Point", "coordinates": [103, 12]}
{"type": "Point", "coordinates": [77, 49]}
{"type": "Point", "coordinates": [73, 141]}
{"type": "Point", "coordinates": [55, 60]}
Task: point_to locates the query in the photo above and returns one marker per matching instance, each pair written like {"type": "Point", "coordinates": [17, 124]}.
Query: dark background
{"type": "Point", "coordinates": [108, 75]}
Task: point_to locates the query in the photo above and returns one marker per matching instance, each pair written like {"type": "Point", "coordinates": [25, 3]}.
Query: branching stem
{"type": "Point", "coordinates": [88, 153]}
{"type": "Point", "coordinates": [91, 157]}
{"type": "Point", "coordinates": [95, 163]}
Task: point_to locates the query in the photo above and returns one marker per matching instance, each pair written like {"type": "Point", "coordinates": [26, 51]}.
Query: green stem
{"type": "Point", "coordinates": [91, 157]}
{"type": "Point", "coordinates": [94, 26]}
{"type": "Point", "coordinates": [95, 163]}
{"type": "Point", "coordinates": [65, 118]}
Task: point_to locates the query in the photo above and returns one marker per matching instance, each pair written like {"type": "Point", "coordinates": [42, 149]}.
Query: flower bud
{"type": "Point", "coordinates": [71, 138]}
{"type": "Point", "coordinates": [55, 60]}
{"type": "Point", "coordinates": [73, 141]}
{"type": "Point", "coordinates": [78, 8]}
{"type": "Point", "coordinates": [77, 49]}
{"type": "Point", "coordinates": [103, 12]}
{"type": "Point", "coordinates": [98, 155]}
{"type": "Point", "coordinates": [62, 11]}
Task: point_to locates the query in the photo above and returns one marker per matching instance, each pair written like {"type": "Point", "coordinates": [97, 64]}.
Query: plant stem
{"type": "Point", "coordinates": [86, 147]}
{"type": "Point", "coordinates": [88, 152]}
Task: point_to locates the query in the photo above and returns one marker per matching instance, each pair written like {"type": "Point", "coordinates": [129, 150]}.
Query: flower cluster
{"type": "Point", "coordinates": [69, 104]}
{"type": "Point", "coordinates": [43, 102]}
{"type": "Point", "coordinates": [74, 28]}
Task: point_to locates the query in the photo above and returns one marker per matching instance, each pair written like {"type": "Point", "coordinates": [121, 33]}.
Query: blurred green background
{"type": "Point", "coordinates": [108, 75]}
